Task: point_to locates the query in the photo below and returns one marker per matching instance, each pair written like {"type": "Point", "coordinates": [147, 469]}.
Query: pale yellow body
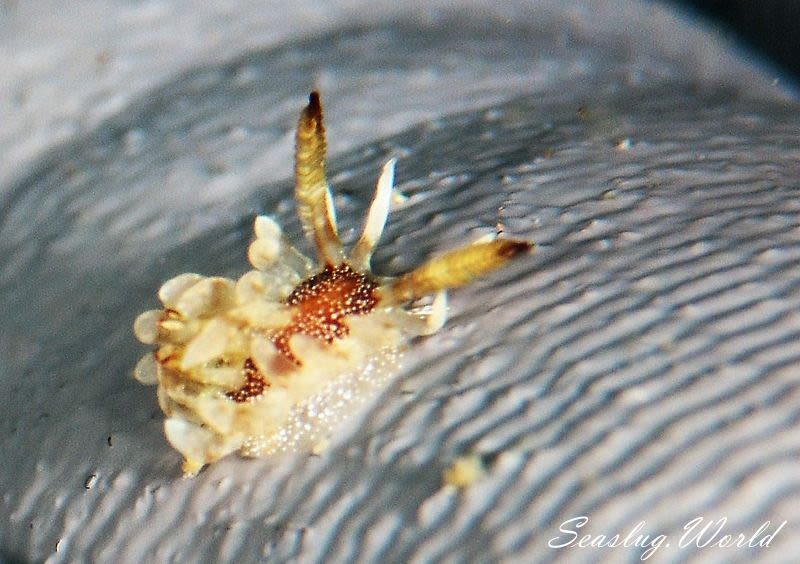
{"type": "Point", "coordinates": [214, 325]}
{"type": "Point", "coordinates": [274, 361]}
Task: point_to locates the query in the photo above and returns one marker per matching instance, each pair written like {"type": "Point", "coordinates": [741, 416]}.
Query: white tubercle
{"type": "Point", "coordinates": [146, 370]}
{"type": "Point", "coordinates": [210, 343]}
{"type": "Point", "coordinates": [171, 291]}
{"type": "Point", "coordinates": [206, 297]}
{"type": "Point", "coordinates": [145, 327]}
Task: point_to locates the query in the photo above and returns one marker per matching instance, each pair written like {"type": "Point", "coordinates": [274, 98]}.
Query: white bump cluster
{"type": "Point", "coordinates": [223, 384]}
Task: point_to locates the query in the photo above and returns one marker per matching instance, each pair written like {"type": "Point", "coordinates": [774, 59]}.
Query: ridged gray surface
{"type": "Point", "coordinates": [641, 366]}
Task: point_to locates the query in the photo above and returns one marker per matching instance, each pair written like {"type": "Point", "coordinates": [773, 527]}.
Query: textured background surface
{"type": "Point", "coordinates": [639, 367]}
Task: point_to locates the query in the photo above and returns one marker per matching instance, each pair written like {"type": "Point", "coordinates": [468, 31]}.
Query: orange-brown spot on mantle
{"type": "Point", "coordinates": [253, 386]}
{"type": "Point", "coordinates": [322, 303]}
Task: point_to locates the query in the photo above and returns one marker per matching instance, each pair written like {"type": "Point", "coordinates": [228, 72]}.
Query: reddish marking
{"type": "Point", "coordinates": [165, 359]}
{"type": "Point", "coordinates": [323, 301]}
{"type": "Point", "coordinates": [314, 108]}
{"type": "Point", "coordinates": [510, 248]}
{"type": "Point", "coordinates": [253, 386]}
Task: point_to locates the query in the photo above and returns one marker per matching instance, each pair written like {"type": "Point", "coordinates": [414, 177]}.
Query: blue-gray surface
{"type": "Point", "coordinates": [641, 367]}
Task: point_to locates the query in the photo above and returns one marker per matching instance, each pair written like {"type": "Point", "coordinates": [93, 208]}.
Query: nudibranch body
{"type": "Point", "coordinates": [274, 361]}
